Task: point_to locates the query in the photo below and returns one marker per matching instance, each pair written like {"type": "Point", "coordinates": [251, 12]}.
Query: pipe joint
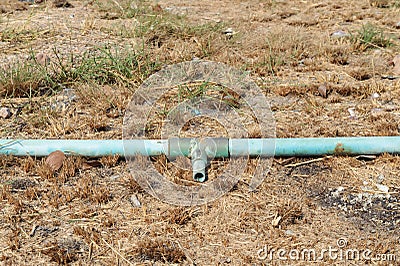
{"type": "Point", "coordinates": [200, 151]}
{"type": "Point", "coordinates": [199, 156]}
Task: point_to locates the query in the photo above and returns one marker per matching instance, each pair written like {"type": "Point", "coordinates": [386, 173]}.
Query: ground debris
{"type": "Point", "coordinates": [61, 3]}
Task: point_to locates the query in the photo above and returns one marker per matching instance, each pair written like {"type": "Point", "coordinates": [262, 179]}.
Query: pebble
{"type": "Point", "coordinates": [225, 260]}
{"type": "Point", "coordinates": [5, 113]}
{"type": "Point", "coordinates": [228, 32]}
{"type": "Point", "coordinates": [289, 233]}
{"type": "Point", "coordinates": [115, 177]}
{"type": "Point", "coordinates": [135, 201]}
{"type": "Point", "coordinates": [382, 188]}
{"type": "Point", "coordinates": [322, 89]}
{"type": "Point", "coordinates": [375, 95]}
{"type": "Point", "coordinates": [380, 179]}
{"type": "Point", "coordinates": [337, 192]}
{"type": "Point", "coordinates": [352, 112]}
{"type": "Point", "coordinates": [55, 160]}
{"type": "Point", "coordinates": [340, 34]}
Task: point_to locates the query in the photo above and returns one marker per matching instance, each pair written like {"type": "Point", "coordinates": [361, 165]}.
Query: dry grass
{"type": "Point", "coordinates": [70, 73]}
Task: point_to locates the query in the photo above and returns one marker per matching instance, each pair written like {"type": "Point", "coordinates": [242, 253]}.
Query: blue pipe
{"type": "Point", "coordinates": [237, 147]}
{"type": "Point", "coordinates": [314, 146]}
{"type": "Point", "coordinates": [90, 148]}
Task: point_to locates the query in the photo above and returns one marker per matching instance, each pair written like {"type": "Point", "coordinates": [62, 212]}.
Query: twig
{"type": "Point", "coordinates": [116, 252]}
{"type": "Point", "coordinates": [90, 250]}
{"type": "Point", "coordinates": [308, 162]}
{"type": "Point", "coordinates": [284, 162]}
{"type": "Point", "coordinates": [120, 7]}
{"type": "Point", "coordinates": [186, 253]}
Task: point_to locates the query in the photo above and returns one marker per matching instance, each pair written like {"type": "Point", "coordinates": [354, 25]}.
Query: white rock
{"type": "Point", "coordinates": [352, 112]}
{"type": "Point", "coordinates": [340, 34]}
{"type": "Point", "coordinates": [382, 188]}
{"type": "Point", "coordinates": [375, 95]}
{"type": "Point", "coordinates": [5, 113]}
{"type": "Point", "coordinates": [135, 201]}
{"type": "Point", "coordinates": [115, 177]}
{"type": "Point", "coordinates": [380, 179]}
{"type": "Point", "coordinates": [228, 32]}
{"type": "Point", "coordinates": [337, 192]}
{"type": "Point", "coordinates": [289, 232]}
{"type": "Point", "coordinates": [339, 189]}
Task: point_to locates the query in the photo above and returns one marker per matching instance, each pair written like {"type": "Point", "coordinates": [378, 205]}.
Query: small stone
{"type": "Point", "coordinates": [225, 260]}
{"type": "Point", "coordinates": [5, 113]}
{"type": "Point", "coordinates": [375, 95]}
{"type": "Point", "coordinates": [397, 25]}
{"type": "Point", "coordinates": [382, 188]}
{"type": "Point", "coordinates": [228, 32]}
{"type": "Point", "coordinates": [340, 34]}
{"type": "Point", "coordinates": [289, 233]}
{"type": "Point", "coordinates": [337, 192]}
{"type": "Point", "coordinates": [135, 201]}
{"type": "Point", "coordinates": [380, 179]}
{"type": "Point", "coordinates": [323, 90]}
{"type": "Point", "coordinates": [115, 177]}
{"type": "Point", "coordinates": [55, 160]}
{"type": "Point", "coordinates": [352, 112]}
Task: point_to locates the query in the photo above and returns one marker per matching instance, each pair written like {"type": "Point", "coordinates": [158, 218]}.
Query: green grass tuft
{"type": "Point", "coordinates": [370, 36]}
{"type": "Point", "coordinates": [102, 65]}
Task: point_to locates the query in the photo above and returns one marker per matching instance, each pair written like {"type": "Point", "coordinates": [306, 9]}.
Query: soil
{"type": "Point", "coordinates": [92, 211]}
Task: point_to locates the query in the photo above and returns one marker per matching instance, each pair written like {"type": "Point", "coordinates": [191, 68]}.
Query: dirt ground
{"type": "Point", "coordinates": [70, 69]}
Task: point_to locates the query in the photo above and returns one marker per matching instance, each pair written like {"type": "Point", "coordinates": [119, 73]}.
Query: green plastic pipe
{"type": "Point", "coordinates": [224, 148]}
{"type": "Point", "coordinates": [90, 148]}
